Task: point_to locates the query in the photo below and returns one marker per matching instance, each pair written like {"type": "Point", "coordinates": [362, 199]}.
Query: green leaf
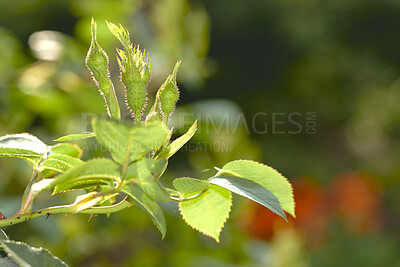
{"type": "Point", "coordinates": [23, 146]}
{"type": "Point", "coordinates": [30, 156]}
{"type": "Point", "coordinates": [155, 191]}
{"type": "Point", "coordinates": [267, 177]}
{"type": "Point", "coordinates": [146, 170]}
{"type": "Point", "coordinates": [188, 187]}
{"type": "Point", "coordinates": [67, 149]}
{"type": "Point", "coordinates": [7, 262]}
{"type": "Point", "coordinates": [23, 141]}
{"type": "Point", "coordinates": [120, 33]}
{"type": "Point", "coordinates": [26, 256]}
{"type": "Point", "coordinates": [145, 173]}
{"type": "Point", "coordinates": [172, 148]}
{"type": "Point", "coordinates": [147, 205]}
{"type": "Point", "coordinates": [208, 212]}
{"type": "Point", "coordinates": [134, 141]}
{"type": "Point", "coordinates": [96, 171]}
{"type": "Point", "coordinates": [58, 163]}
{"type": "Point", "coordinates": [251, 190]}
{"type": "Point", "coordinates": [74, 137]}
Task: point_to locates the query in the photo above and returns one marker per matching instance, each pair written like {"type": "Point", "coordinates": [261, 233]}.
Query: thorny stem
{"type": "Point", "coordinates": [66, 209]}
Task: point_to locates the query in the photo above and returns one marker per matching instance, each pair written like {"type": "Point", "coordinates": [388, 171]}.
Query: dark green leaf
{"type": "Point", "coordinates": [251, 190]}
{"type": "Point", "coordinates": [265, 176]}
{"type": "Point", "coordinates": [148, 205]}
{"type": "Point", "coordinates": [27, 256]}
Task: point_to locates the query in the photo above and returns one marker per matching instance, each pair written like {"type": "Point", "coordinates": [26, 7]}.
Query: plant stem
{"type": "Point", "coordinates": [27, 199]}
{"type": "Point", "coordinates": [67, 209]}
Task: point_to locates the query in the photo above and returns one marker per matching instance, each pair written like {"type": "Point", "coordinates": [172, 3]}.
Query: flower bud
{"type": "Point", "coordinates": [135, 71]}
{"type": "Point", "coordinates": [168, 94]}
{"type": "Point", "coordinates": [97, 63]}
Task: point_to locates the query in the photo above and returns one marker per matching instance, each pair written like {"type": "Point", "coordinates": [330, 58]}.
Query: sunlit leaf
{"type": "Point", "coordinates": [74, 137]}
{"type": "Point", "coordinates": [30, 156]}
{"type": "Point", "coordinates": [172, 148]}
{"type": "Point", "coordinates": [23, 141]}
{"type": "Point", "coordinates": [208, 212]}
{"type": "Point", "coordinates": [101, 171]}
{"type": "Point", "coordinates": [135, 141]}
{"type": "Point", "coordinates": [145, 173]}
{"type": "Point", "coordinates": [66, 149]}
{"type": "Point", "coordinates": [188, 186]}
{"type": "Point", "coordinates": [59, 163]}
{"type": "Point", "coordinates": [23, 146]}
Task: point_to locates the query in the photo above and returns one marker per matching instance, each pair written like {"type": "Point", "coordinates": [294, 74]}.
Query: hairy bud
{"type": "Point", "coordinates": [168, 94]}
{"type": "Point", "coordinates": [135, 70]}
{"type": "Point", "coordinates": [97, 63]}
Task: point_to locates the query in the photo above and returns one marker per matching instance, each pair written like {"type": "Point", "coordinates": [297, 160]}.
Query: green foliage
{"type": "Point", "coordinates": [148, 205]}
{"type": "Point", "coordinates": [145, 173]}
{"type": "Point", "coordinates": [93, 172]}
{"type": "Point", "coordinates": [23, 146]}
{"type": "Point", "coordinates": [59, 163]}
{"type": "Point", "coordinates": [140, 153]}
{"type": "Point", "coordinates": [135, 69]}
{"type": "Point", "coordinates": [251, 190]}
{"type": "Point", "coordinates": [3, 235]}
{"type": "Point", "coordinates": [67, 149]}
{"type": "Point", "coordinates": [187, 187]}
{"type": "Point", "coordinates": [74, 137]}
{"type": "Point", "coordinates": [266, 176]}
{"type": "Point", "coordinates": [172, 148]}
{"type": "Point", "coordinates": [26, 256]}
{"type": "Point", "coordinates": [129, 142]}
{"type": "Point", "coordinates": [208, 212]}
{"type": "Point", "coordinates": [97, 62]}
{"type": "Point", "coordinates": [168, 93]}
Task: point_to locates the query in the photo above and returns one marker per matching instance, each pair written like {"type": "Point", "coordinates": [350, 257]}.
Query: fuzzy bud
{"type": "Point", "coordinates": [168, 94]}
{"type": "Point", "coordinates": [135, 71]}
{"type": "Point", "coordinates": [97, 63]}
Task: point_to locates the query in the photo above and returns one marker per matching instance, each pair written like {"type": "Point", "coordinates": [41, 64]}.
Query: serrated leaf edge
{"type": "Point", "coordinates": [291, 186]}
{"type": "Point", "coordinates": [33, 248]}
{"type": "Point", "coordinates": [216, 238]}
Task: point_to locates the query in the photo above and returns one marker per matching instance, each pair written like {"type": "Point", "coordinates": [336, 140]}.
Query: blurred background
{"type": "Point", "coordinates": [310, 87]}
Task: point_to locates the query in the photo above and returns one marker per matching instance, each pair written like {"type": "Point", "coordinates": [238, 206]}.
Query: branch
{"type": "Point", "coordinates": [67, 209]}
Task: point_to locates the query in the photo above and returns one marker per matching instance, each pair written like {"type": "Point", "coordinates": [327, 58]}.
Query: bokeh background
{"type": "Point", "coordinates": [308, 87]}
